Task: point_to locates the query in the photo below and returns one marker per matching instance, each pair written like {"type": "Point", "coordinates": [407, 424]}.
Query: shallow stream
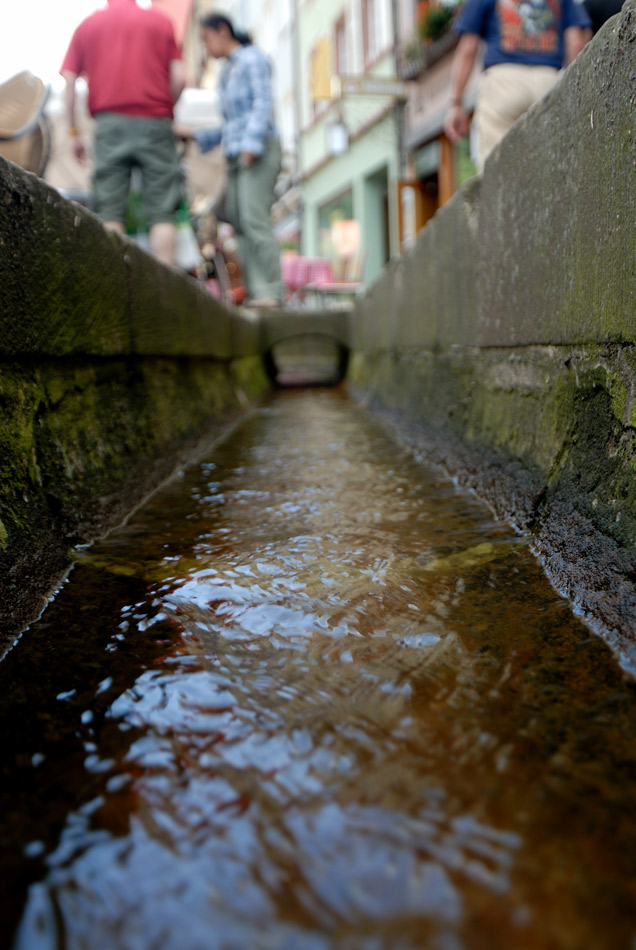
{"type": "Point", "coordinates": [313, 697]}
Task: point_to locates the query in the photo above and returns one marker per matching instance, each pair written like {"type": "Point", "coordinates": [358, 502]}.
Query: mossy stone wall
{"type": "Point", "coordinates": [504, 342]}
{"type": "Point", "coordinates": [114, 371]}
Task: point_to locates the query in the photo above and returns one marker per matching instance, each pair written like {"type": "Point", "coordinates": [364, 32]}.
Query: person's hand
{"type": "Point", "coordinates": [79, 150]}
{"type": "Point", "coordinates": [456, 122]}
{"type": "Point", "coordinates": [183, 132]}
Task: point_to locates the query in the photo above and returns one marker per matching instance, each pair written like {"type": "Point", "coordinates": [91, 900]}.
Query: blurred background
{"type": "Point", "coordinates": [361, 91]}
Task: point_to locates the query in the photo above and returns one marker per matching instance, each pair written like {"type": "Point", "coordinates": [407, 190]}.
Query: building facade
{"type": "Point", "coordinates": [349, 132]}
{"type": "Point", "coordinates": [365, 161]}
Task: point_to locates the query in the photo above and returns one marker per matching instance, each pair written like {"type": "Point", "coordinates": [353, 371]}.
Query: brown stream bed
{"type": "Point", "coordinates": [312, 696]}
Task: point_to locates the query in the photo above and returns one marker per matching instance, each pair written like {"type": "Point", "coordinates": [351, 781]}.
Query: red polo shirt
{"type": "Point", "coordinates": [125, 53]}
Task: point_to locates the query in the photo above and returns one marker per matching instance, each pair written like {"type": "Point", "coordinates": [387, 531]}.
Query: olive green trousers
{"type": "Point", "coordinates": [248, 203]}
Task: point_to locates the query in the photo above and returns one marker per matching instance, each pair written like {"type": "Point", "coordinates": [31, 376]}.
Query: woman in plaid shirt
{"type": "Point", "coordinates": [252, 149]}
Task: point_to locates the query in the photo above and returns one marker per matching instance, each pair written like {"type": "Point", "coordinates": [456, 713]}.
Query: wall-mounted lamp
{"type": "Point", "coordinates": [337, 137]}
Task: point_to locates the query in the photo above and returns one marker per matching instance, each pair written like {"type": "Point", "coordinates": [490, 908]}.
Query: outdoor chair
{"type": "Point", "coordinates": [342, 286]}
{"type": "Point", "coordinates": [300, 273]}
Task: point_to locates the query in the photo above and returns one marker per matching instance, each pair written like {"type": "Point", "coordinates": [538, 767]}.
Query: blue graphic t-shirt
{"type": "Point", "coordinates": [529, 32]}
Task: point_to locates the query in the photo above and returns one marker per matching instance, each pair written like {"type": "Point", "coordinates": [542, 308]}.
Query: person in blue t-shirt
{"type": "Point", "coordinates": [526, 44]}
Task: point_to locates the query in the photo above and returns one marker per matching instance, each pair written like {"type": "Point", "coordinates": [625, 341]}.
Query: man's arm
{"type": "Point", "coordinates": [574, 39]}
{"type": "Point", "coordinates": [177, 78]}
{"type": "Point", "coordinates": [456, 121]}
{"type": "Point", "coordinates": [79, 149]}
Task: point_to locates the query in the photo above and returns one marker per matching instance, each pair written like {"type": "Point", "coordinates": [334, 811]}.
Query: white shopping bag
{"type": "Point", "coordinates": [187, 252]}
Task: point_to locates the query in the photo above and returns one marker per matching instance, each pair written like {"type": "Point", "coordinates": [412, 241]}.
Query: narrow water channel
{"type": "Point", "coordinates": [312, 697]}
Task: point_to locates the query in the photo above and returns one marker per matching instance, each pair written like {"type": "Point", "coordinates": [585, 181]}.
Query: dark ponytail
{"type": "Point", "coordinates": [216, 21]}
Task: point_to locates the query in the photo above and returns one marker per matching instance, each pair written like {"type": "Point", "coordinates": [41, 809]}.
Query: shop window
{"type": "Point", "coordinates": [330, 224]}
{"type": "Point", "coordinates": [320, 72]}
{"type": "Point", "coordinates": [340, 46]}
{"type": "Point", "coordinates": [370, 30]}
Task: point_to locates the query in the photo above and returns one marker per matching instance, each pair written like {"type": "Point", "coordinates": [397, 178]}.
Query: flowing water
{"type": "Point", "coordinates": [312, 696]}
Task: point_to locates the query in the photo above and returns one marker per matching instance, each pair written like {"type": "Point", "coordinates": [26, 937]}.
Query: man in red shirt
{"type": "Point", "coordinates": [135, 75]}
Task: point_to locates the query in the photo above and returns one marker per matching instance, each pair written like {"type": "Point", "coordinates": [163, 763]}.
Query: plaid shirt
{"type": "Point", "coordinates": [246, 103]}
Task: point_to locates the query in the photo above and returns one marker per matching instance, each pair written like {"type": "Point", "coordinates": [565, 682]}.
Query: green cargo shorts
{"type": "Point", "coordinates": [124, 142]}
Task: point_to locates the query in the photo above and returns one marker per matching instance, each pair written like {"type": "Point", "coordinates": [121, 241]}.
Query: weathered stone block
{"type": "Point", "coordinates": [63, 277]}
{"type": "Point", "coordinates": [113, 371]}
{"type": "Point", "coordinates": [507, 351]}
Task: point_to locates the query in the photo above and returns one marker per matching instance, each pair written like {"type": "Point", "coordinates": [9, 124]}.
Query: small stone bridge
{"type": "Point", "coordinates": [306, 331]}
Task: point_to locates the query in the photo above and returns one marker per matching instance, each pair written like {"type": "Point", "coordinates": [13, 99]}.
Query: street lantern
{"type": "Point", "coordinates": [337, 137]}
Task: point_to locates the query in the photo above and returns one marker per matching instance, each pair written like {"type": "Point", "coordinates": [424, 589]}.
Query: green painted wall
{"type": "Point", "coordinates": [368, 157]}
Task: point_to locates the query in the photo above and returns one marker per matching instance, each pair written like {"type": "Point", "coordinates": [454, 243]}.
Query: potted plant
{"type": "Point", "coordinates": [435, 21]}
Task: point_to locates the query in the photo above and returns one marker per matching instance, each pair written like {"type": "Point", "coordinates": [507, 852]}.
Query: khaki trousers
{"type": "Point", "coordinates": [248, 203]}
{"type": "Point", "coordinates": [124, 142]}
{"type": "Point", "coordinates": [506, 92]}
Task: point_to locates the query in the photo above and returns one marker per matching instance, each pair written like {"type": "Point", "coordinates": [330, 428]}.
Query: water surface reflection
{"type": "Point", "coordinates": [310, 696]}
